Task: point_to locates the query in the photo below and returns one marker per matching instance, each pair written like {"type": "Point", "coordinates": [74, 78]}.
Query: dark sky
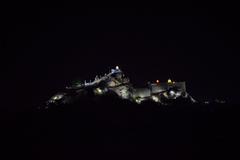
{"type": "Point", "coordinates": [45, 48]}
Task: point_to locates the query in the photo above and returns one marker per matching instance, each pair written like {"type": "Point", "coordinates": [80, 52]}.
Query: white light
{"type": "Point", "coordinates": [57, 97]}
{"type": "Point", "coordinates": [117, 67]}
{"type": "Point", "coordinates": [172, 92]}
{"type": "Point", "coordinates": [138, 101]}
{"type": "Point", "coordinates": [178, 94]}
{"type": "Point", "coordinates": [155, 98]}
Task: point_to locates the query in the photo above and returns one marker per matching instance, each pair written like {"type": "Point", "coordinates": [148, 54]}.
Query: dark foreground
{"type": "Point", "coordinates": [96, 128]}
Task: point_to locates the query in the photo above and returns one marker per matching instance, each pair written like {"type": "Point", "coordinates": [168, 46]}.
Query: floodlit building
{"type": "Point", "coordinates": [117, 82]}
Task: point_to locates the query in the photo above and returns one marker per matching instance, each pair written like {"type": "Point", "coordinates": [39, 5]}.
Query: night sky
{"type": "Point", "coordinates": [44, 49]}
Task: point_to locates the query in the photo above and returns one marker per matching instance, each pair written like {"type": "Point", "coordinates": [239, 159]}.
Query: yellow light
{"type": "Point", "coordinates": [99, 91]}
{"type": "Point", "coordinates": [169, 81]}
{"type": "Point", "coordinates": [157, 81]}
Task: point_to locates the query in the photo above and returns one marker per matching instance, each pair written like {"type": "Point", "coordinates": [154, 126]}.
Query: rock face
{"type": "Point", "coordinates": [117, 83]}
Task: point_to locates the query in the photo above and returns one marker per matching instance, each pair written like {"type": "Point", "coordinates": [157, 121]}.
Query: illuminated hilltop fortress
{"type": "Point", "coordinates": [118, 83]}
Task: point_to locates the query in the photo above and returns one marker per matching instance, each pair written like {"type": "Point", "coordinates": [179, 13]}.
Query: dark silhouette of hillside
{"type": "Point", "coordinates": [106, 124]}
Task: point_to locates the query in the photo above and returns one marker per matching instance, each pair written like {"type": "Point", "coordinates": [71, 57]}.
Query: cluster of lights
{"type": "Point", "coordinates": [138, 100]}
{"type": "Point", "coordinates": [57, 97]}
{"type": "Point", "coordinates": [155, 99]}
{"type": "Point", "coordinates": [168, 81]}
{"type": "Point", "coordinates": [123, 91]}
